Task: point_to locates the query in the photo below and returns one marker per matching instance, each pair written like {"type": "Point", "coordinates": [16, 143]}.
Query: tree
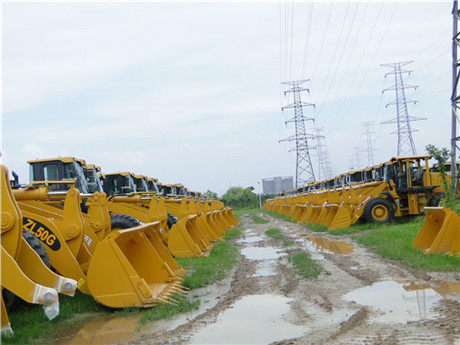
{"type": "Point", "coordinates": [240, 197]}
{"type": "Point", "coordinates": [212, 195]}
{"type": "Point", "coordinates": [442, 156]}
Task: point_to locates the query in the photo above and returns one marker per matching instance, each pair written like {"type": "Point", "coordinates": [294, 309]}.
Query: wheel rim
{"type": "Point", "coordinates": [379, 212]}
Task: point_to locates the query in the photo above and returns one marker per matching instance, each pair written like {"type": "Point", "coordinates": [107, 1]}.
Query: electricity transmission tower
{"type": "Point", "coordinates": [455, 99]}
{"type": "Point", "coordinates": [324, 160]}
{"type": "Point", "coordinates": [369, 132]}
{"type": "Point", "coordinates": [304, 168]}
{"type": "Point", "coordinates": [406, 144]}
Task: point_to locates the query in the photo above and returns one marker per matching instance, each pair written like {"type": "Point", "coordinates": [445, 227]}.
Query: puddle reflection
{"type": "Point", "coordinates": [102, 331]}
{"type": "Point", "coordinates": [265, 269]}
{"type": "Point", "coordinates": [441, 287]}
{"type": "Point", "coordinates": [261, 253]}
{"type": "Point", "coordinates": [251, 239]}
{"type": "Point", "coordinates": [397, 302]}
{"type": "Point", "coordinates": [256, 319]}
{"type": "Point", "coordinates": [322, 245]}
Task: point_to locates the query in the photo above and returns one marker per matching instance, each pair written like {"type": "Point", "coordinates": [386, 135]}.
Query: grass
{"type": "Point", "coordinates": [258, 220]}
{"type": "Point", "coordinates": [304, 265]}
{"type": "Point", "coordinates": [278, 236]}
{"type": "Point", "coordinates": [316, 227]}
{"type": "Point", "coordinates": [30, 325]}
{"type": "Point", "coordinates": [238, 212]}
{"type": "Point", "coordinates": [207, 270]}
{"type": "Point", "coordinates": [275, 234]}
{"type": "Point", "coordinates": [394, 241]}
{"type": "Point", "coordinates": [279, 216]}
{"type": "Point", "coordinates": [233, 234]}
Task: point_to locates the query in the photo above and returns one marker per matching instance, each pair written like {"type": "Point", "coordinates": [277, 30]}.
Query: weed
{"type": "Point", "coordinates": [207, 270]}
{"type": "Point", "coordinates": [304, 265]}
{"type": "Point", "coordinates": [279, 216]}
{"type": "Point", "coordinates": [258, 220]}
{"type": "Point", "coordinates": [232, 234]}
{"type": "Point", "coordinates": [275, 234]}
{"type": "Point", "coordinates": [316, 227]}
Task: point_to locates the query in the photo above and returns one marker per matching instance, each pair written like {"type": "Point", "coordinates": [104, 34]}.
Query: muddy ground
{"type": "Point", "coordinates": [359, 298]}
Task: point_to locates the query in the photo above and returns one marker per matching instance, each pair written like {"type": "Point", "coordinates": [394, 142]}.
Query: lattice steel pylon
{"type": "Point", "coordinates": [322, 154]}
{"type": "Point", "coordinates": [304, 168]}
{"type": "Point", "coordinates": [404, 131]}
{"type": "Point", "coordinates": [368, 127]}
{"type": "Point", "coordinates": [455, 98]}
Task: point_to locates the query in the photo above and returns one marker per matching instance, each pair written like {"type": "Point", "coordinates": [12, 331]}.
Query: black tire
{"type": "Point", "coordinates": [434, 202]}
{"type": "Point", "coordinates": [123, 221]}
{"type": "Point", "coordinates": [378, 210]}
{"type": "Point", "coordinates": [10, 298]}
{"type": "Point", "coordinates": [171, 220]}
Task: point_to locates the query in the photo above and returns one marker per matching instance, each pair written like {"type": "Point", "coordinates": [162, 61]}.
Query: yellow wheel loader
{"type": "Point", "coordinates": [183, 238]}
{"type": "Point", "coordinates": [399, 187]}
{"type": "Point", "coordinates": [23, 273]}
{"type": "Point", "coordinates": [118, 267]}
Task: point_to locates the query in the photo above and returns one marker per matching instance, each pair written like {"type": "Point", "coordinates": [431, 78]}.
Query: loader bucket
{"type": "Point", "coordinates": [198, 235]}
{"type": "Point", "coordinates": [180, 243]}
{"type": "Point", "coordinates": [152, 232]}
{"type": "Point", "coordinates": [228, 216]}
{"type": "Point", "coordinates": [232, 216]}
{"type": "Point", "coordinates": [315, 213]}
{"type": "Point", "coordinates": [323, 215]}
{"type": "Point", "coordinates": [127, 271]}
{"type": "Point", "coordinates": [440, 233]}
{"type": "Point", "coordinates": [338, 218]}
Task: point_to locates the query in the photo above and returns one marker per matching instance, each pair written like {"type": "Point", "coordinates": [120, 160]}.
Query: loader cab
{"type": "Point", "coordinates": [411, 171]}
{"type": "Point", "coordinates": [93, 179]}
{"type": "Point", "coordinates": [169, 190]}
{"type": "Point", "coordinates": [330, 183]}
{"type": "Point", "coordinates": [368, 175]}
{"type": "Point", "coordinates": [59, 169]}
{"type": "Point", "coordinates": [141, 183]}
{"type": "Point", "coordinates": [180, 189]}
{"type": "Point", "coordinates": [119, 183]}
{"type": "Point", "coordinates": [377, 172]}
{"type": "Point", "coordinates": [447, 165]}
{"type": "Point", "coordinates": [354, 177]}
{"type": "Point", "coordinates": [152, 185]}
{"type": "Point", "coordinates": [338, 181]}
{"type": "Point", "coordinates": [390, 172]}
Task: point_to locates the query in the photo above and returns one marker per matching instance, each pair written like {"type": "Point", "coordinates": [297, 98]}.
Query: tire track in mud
{"type": "Point", "coordinates": [318, 305]}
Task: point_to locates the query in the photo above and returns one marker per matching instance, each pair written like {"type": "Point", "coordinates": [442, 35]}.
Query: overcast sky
{"type": "Point", "coordinates": [191, 92]}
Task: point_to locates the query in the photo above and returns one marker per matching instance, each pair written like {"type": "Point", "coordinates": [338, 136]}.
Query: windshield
{"type": "Point", "coordinates": [93, 181]}
{"type": "Point", "coordinates": [74, 171]}
{"type": "Point", "coordinates": [128, 184]}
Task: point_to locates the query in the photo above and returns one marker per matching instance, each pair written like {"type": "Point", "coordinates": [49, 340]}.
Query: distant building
{"type": "Point", "coordinates": [277, 184]}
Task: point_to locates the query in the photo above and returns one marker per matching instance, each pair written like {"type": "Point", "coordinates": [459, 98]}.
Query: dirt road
{"type": "Point", "coordinates": [359, 298]}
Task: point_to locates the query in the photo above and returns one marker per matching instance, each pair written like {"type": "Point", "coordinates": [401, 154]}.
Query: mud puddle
{"type": "Point", "coordinates": [403, 301]}
{"type": "Point", "coordinates": [262, 253]}
{"type": "Point", "coordinates": [322, 245]}
{"type": "Point", "coordinates": [251, 239]}
{"type": "Point", "coordinates": [265, 269]}
{"type": "Point", "coordinates": [103, 330]}
{"type": "Point", "coordinates": [253, 319]}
